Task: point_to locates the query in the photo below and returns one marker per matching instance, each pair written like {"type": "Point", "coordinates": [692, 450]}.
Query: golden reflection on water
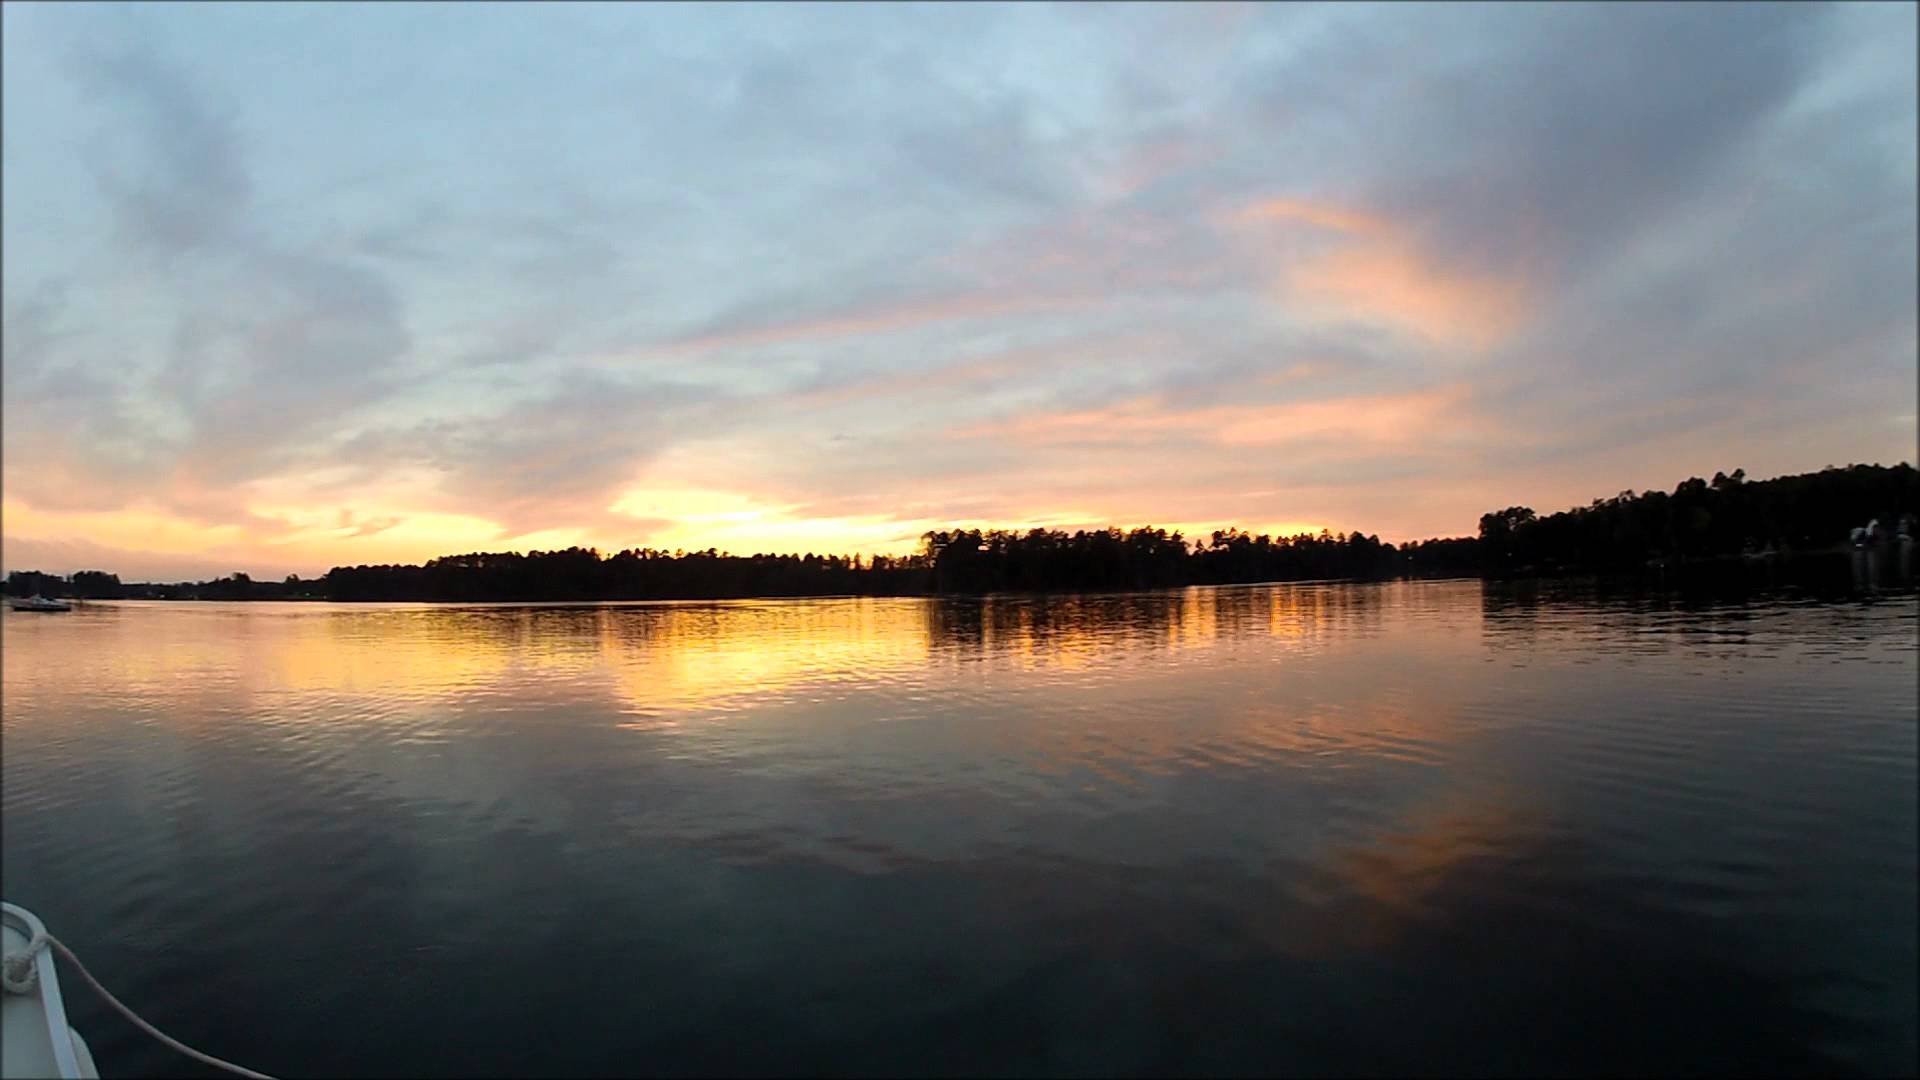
{"type": "Point", "coordinates": [1128, 703]}
{"type": "Point", "coordinates": [680, 657]}
{"type": "Point", "coordinates": [1070, 629]}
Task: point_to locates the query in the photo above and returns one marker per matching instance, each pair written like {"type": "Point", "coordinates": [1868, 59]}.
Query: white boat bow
{"type": "Point", "coordinates": [34, 1037]}
{"type": "Point", "coordinates": [38, 1042]}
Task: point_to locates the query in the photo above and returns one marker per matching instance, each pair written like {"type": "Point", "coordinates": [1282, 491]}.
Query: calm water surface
{"type": "Point", "coordinates": [1414, 827]}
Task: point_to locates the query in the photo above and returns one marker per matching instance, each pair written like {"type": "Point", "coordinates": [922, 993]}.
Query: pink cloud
{"type": "Point", "coordinates": [1400, 286]}
{"type": "Point", "coordinates": [1378, 271]}
{"type": "Point", "coordinates": [876, 320]}
{"type": "Point", "coordinates": [1386, 419]}
{"type": "Point", "coordinates": [1005, 364]}
{"type": "Point", "coordinates": [1318, 215]}
{"type": "Point", "coordinates": [1154, 160]}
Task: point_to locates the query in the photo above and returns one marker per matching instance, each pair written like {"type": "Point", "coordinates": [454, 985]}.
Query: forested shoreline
{"type": "Point", "coordinates": [1728, 517]}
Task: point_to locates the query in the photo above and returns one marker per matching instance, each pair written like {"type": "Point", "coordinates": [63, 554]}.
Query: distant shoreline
{"type": "Point", "coordinates": [1709, 570]}
{"type": "Point", "coordinates": [1728, 521]}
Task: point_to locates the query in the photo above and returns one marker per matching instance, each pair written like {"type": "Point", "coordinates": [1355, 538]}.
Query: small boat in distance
{"type": "Point", "coordinates": [37, 603]}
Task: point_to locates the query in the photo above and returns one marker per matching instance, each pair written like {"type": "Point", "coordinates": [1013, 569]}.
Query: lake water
{"type": "Point", "coordinates": [1414, 827]}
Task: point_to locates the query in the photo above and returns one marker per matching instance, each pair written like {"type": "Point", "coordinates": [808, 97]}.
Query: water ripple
{"type": "Point", "coordinates": [1422, 826]}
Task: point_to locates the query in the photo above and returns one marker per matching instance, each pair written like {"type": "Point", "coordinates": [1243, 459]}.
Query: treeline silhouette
{"type": "Point", "coordinates": [971, 561]}
{"type": "Point", "coordinates": [1728, 517]}
{"type": "Point", "coordinates": [100, 585]}
{"type": "Point", "coordinates": [635, 574]}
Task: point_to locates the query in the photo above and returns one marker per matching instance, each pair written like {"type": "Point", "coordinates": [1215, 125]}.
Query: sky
{"type": "Point", "coordinates": [288, 287]}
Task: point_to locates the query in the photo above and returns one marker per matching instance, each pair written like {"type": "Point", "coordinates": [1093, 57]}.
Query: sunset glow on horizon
{"type": "Point", "coordinates": [294, 286]}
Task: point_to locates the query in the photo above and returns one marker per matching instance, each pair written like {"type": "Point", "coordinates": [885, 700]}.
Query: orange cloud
{"type": "Point", "coordinates": [1381, 272]}
{"type": "Point", "coordinates": [1401, 286]}
{"type": "Point", "coordinates": [135, 528]}
{"type": "Point", "coordinates": [1378, 418]}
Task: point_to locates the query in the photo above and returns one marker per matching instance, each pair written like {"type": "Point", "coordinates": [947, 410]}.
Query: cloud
{"type": "Point", "coordinates": [995, 366]}
{"type": "Point", "coordinates": [1398, 287]}
{"type": "Point", "coordinates": [350, 525]}
{"type": "Point", "coordinates": [1373, 268]}
{"type": "Point", "coordinates": [68, 554]}
{"type": "Point", "coordinates": [1318, 215]}
{"type": "Point", "coordinates": [187, 187]}
{"type": "Point", "coordinates": [267, 345]}
{"type": "Point", "coordinates": [1535, 147]}
{"type": "Point", "coordinates": [1376, 271]}
{"type": "Point", "coordinates": [1392, 419]}
{"type": "Point", "coordinates": [560, 458]}
{"type": "Point", "coordinates": [858, 322]}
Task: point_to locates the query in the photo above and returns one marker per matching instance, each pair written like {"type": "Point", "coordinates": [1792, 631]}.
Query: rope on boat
{"type": "Point", "coordinates": [18, 974]}
{"type": "Point", "coordinates": [19, 977]}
